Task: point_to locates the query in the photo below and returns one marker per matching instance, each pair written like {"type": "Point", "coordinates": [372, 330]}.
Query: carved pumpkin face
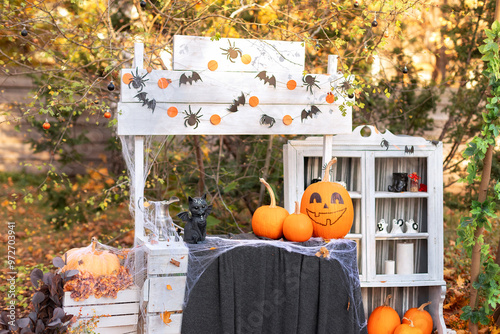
{"type": "Point", "coordinates": [329, 206]}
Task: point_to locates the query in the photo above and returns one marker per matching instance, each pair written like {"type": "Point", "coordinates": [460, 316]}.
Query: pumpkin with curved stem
{"type": "Point", "coordinates": [329, 206]}
{"type": "Point", "coordinates": [97, 262]}
{"type": "Point", "coordinates": [297, 226]}
{"type": "Point", "coordinates": [384, 319]}
{"type": "Point", "coordinates": [267, 220]}
{"type": "Point", "coordinates": [407, 328]}
{"type": "Point", "coordinates": [420, 318]}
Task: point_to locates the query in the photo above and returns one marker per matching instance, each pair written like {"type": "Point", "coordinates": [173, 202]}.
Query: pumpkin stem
{"type": "Point", "coordinates": [297, 208]}
{"type": "Point", "coordinates": [386, 302]}
{"type": "Point", "coordinates": [94, 243]}
{"type": "Point", "coordinates": [326, 176]}
{"type": "Point", "coordinates": [271, 193]}
{"type": "Point", "coordinates": [411, 321]}
{"type": "Point", "coordinates": [421, 307]}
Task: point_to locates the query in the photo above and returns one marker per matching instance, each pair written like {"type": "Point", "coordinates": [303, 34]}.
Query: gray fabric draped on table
{"type": "Point", "coordinates": [270, 289]}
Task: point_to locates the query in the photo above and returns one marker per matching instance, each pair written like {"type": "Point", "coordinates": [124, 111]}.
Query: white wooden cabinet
{"type": "Point", "coordinates": [366, 165]}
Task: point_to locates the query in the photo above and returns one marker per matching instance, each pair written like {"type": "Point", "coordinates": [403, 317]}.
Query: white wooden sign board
{"type": "Point", "coordinates": [233, 86]}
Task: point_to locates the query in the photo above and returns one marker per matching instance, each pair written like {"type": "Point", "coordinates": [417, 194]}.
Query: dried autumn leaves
{"type": "Point", "coordinates": [85, 284]}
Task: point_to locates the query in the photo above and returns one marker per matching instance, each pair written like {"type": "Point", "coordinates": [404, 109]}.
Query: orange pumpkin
{"type": "Point", "coordinates": [329, 206]}
{"type": "Point", "coordinates": [420, 318]}
{"type": "Point", "coordinates": [297, 227]}
{"type": "Point", "coordinates": [97, 262]}
{"type": "Point", "coordinates": [407, 329]}
{"type": "Point", "coordinates": [267, 220]}
{"type": "Point", "coordinates": [383, 320]}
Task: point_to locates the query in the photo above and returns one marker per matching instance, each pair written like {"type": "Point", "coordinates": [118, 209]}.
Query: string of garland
{"type": "Point", "coordinates": [482, 212]}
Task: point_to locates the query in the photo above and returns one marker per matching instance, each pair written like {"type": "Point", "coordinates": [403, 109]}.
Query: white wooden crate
{"type": "Point", "coordinates": [164, 287]}
{"type": "Point", "coordinates": [116, 316]}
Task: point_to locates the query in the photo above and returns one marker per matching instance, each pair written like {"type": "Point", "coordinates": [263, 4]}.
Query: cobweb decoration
{"type": "Point", "coordinates": [201, 256]}
{"type": "Point", "coordinates": [152, 147]}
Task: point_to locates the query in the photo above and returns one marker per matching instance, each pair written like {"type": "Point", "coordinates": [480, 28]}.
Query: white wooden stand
{"type": "Point", "coordinates": [114, 316]}
{"type": "Point", "coordinates": [288, 103]}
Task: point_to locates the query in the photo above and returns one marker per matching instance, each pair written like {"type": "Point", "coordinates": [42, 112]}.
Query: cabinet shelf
{"type": "Point", "coordinates": [417, 281]}
{"type": "Point", "coordinates": [355, 194]}
{"type": "Point", "coordinates": [401, 236]}
{"type": "Point", "coordinates": [407, 194]}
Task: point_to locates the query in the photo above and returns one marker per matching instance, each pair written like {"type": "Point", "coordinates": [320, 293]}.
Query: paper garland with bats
{"type": "Point", "coordinates": [193, 119]}
{"type": "Point", "coordinates": [240, 101]}
{"type": "Point", "coordinates": [184, 79]}
{"type": "Point", "coordinates": [271, 80]}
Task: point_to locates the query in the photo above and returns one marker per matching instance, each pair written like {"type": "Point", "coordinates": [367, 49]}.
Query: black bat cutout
{"type": "Point", "coordinates": [409, 150]}
{"type": "Point", "coordinates": [267, 120]}
{"type": "Point", "coordinates": [271, 80]}
{"type": "Point", "coordinates": [240, 101]}
{"type": "Point", "coordinates": [142, 97]}
{"type": "Point", "coordinates": [384, 143]}
{"type": "Point", "coordinates": [305, 114]}
{"type": "Point", "coordinates": [184, 79]}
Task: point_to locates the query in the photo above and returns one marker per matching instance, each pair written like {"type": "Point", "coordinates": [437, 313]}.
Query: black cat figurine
{"type": "Point", "coordinates": [195, 229]}
{"type": "Point", "coordinates": [399, 182]}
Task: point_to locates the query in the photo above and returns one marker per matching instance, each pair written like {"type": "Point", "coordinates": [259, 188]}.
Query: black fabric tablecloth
{"type": "Point", "coordinates": [271, 290]}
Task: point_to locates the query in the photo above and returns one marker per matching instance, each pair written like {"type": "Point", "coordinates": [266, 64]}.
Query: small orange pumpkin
{"type": "Point", "coordinates": [420, 318]}
{"type": "Point", "coordinates": [267, 220]}
{"type": "Point", "coordinates": [97, 262]}
{"type": "Point", "coordinates": [329, 206]}
{"type": "Point", "coordinates": [407, 328]}
{"type": "Point", "coordinates": [297, 227]}
{"type": "Point", "coordinates": [384, 319]}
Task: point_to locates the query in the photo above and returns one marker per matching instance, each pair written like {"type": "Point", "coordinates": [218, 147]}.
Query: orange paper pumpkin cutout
{"type": "Point", "coordinates": [215, 119]}
{"type": "Point", "coordinates": [127, 78]}
{"type": "Point", "coordinates": [172, 111]}
{"type": "Point", "coordinates": [253, 101]}
{"type": "Point", "coordinates": [246, 59]}
{"type": "Point", "coordinates": [330, 98]}
{"type": "Point", "coordinates": [287, 119]}
{"type": "Point", "coordinates": [212, 65]}
{"type": "Point", "coordinates": [164, 82]}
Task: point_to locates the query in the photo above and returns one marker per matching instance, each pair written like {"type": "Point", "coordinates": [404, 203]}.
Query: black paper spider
{"type": "Point", "coordinates": [231, 52]}
{"type": "Point", "coordinates": [346, 88]}
{"type": "Point", "coordinates": [267, 120]}
{"type": "Point", "coordinates": [137, 81]}
{"type": "Point", "coordinates": [191, 118]}
{"type": "Point", "coordinates": [310, 81]}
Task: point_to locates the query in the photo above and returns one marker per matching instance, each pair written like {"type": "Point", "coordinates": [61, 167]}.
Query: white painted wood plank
{"type": "Point", "coordinates": [154, 324]}
{"type": "Point", "coordinates": [224, 87]}
{"type": "Point", "coordinates": [162, 299]}
{"type": "Point", "coordinates": [119, 320]}
{"type": "Point", "coordinates": [109, 309]}
{"type": "Point", "coordinates": [117, 330]}
{"type": "Point", "coordinates": [124, 296]}
{"type": "Point", "coordinates": [138, 180]}
{"type": "Point", "coordinates": [138, 55]}
{"type": "Point", "coordinates": [136, 120]}
{"type": "Point", "coordinates": [194, 53]}
{"type": "Point", "coordinates": [115, 321]}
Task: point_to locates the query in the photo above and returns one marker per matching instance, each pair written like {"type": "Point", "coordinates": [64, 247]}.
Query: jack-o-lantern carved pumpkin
{"type": "Point", "coordinates": [329, 206]}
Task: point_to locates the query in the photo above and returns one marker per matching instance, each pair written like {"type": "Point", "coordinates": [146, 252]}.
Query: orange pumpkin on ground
{"type": "Point", "coordinates": [297, 227]}
{"type": "Point", "coordinates": [97, 262]}
{"type": "Point", "coordinates": [329, 206]}
{"type": "Point", "coordinates": [420, 318]}
{"type": "Point", "coordinates": [384, 319]}
{"type": "Point", "coordinates": [267, 220]}
{"type": "Point", "coordinates": [407, 329]}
